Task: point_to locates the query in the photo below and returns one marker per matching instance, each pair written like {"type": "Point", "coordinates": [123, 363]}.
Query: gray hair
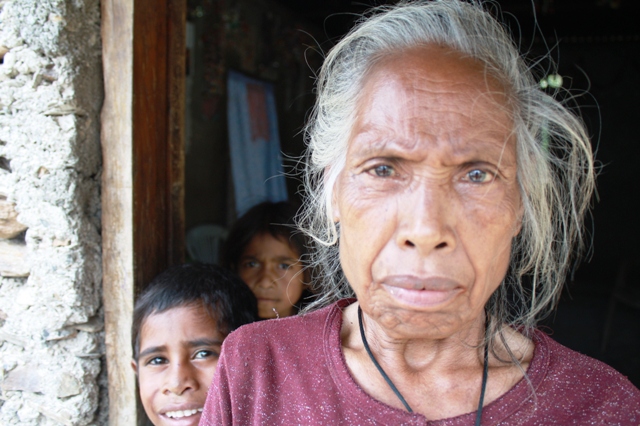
{"type": "Point", "coordinates": [556, 175]}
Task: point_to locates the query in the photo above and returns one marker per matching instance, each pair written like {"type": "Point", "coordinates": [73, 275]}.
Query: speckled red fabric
{"type": "Point", "coordinates": [292, 372]}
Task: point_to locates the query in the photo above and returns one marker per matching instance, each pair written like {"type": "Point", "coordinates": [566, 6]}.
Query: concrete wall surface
{"type": "Point", "coordinates": [51, 342]}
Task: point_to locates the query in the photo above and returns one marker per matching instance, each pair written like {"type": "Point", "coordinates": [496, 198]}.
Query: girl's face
{"type": "Point", "coordinates": [272, 270]}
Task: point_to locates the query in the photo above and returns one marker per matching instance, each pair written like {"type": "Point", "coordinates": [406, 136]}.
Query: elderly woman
{"type": "Point", "coordinates": [446, 191]}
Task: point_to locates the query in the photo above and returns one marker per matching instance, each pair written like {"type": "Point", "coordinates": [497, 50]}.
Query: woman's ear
{"type": "Point", "coordinates": [134, 366]}
{"type": "Point", "coordinates": [519, 218]}
{"type": "Point", "coordinates": [518, 228]}
{"type": "Point", "coordinates": [335, 210]}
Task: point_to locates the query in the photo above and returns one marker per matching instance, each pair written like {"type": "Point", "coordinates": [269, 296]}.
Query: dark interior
{"type": "Point", "coordinates": [596, 46]}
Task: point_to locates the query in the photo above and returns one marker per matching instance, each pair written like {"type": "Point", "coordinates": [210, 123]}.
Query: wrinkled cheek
{"type": "Point", "coordinates": [494, 268]}
{"type": "Point", "coordinates": [353, 257]}
{"type": "Point", "coordinates": [360, 246]}
{"type": "Point", "coordinates": [364, 220]}
{"type": "Point", "coordinates": [347, 258]}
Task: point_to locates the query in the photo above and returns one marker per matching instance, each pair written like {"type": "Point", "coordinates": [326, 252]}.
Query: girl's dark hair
{"type": "Point", "coordinates": [276, 219]}
{"type": "Point", "coordinates": [222, 293]}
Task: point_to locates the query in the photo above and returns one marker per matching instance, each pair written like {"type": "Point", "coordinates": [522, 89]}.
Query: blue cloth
{"type": "Point", "coordinates": [254, 142]}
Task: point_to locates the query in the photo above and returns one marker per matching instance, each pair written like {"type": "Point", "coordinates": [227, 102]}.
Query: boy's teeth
{"type": "Point", "coordinates": [182, 413]}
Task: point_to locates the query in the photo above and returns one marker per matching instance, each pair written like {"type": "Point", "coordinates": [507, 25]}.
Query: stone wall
{"type": "Point", "coordinates": [51, 346]}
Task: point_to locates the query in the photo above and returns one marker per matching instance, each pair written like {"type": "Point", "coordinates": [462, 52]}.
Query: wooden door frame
{"type": "Point", "coordinates": [142, 137]}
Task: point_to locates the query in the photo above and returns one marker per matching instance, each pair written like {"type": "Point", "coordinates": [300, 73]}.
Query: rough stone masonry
{"type": "Point", "coordinates": [51, 341]}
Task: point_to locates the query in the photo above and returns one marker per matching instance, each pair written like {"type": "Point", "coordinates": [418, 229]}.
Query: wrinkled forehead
{"type": "Point", "coordinates": [437, 63]}
{"type": "Point", "coordinates": [434, 90]}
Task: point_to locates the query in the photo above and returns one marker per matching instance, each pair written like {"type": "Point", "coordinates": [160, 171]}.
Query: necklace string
{"type": "Point", "coordinates": [378, 366]}
{"type": "Point", "coordinates": [485, 372]}
{"type": "Point", "coordinates": [485, 375]}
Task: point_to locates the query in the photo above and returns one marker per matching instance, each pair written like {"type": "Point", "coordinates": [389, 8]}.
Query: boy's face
{"type": "Point", "coordinates": [272, 270]}
{"type": "Point", "coordinates": [179, 351]}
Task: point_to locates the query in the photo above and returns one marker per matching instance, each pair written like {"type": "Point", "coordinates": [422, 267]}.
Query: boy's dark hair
{"type": "Point", "coordinates": [276, 219]}
{"type": "Point", "coordinates": [223, 294]}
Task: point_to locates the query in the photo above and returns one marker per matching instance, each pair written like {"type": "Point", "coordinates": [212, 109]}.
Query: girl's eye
{"type": "Point", "coordinates": [251, 264]}
{"type": "Point", "coordinates": [157, 361]}
{"type": "Point", "coordinates": [479, 176]}
{"type": "Point", "coordinates": [284, 266]}
{"type": "Point", "coordinates": [204, 354]}
{"type": "Point", "coordinates": [383, 170]}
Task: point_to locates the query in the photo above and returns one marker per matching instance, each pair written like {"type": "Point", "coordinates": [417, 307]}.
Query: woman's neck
{"type": "Point", "coordinates": [448, 369]}
{"type": "Point", "coordinates": [465, 343]}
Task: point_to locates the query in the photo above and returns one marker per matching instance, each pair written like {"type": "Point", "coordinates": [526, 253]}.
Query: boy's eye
{"type": "Point", "coordinates": [158, 360]}
{"type": "Point", "coordinates": [205, 354]}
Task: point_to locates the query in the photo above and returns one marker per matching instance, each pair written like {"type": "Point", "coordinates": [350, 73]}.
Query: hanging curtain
{"type": "Point", "coordinates": [254, 142]}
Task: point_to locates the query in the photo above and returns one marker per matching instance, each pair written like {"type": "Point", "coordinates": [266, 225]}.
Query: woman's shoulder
{"type": "Point", "coordinates": [563, 360]}
{"type": "Point", "coordinates": [563, 386]}
{"type": "Point", "coordinates": [585, 378]}
{"type": "Point", "coordinates": [283, 332]}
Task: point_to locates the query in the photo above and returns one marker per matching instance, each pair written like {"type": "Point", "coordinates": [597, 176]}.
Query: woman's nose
{"type": "Point", "coordinates": [425, 219]}
{"type": "Point", "coordinates": [180, 379]}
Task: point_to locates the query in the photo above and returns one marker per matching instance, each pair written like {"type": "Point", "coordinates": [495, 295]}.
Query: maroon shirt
{"type": "Point", "coordinates": [292, 371]}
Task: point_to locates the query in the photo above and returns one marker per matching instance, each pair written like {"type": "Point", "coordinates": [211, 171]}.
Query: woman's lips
{"type": "Point", "coordinates": [424, 292]}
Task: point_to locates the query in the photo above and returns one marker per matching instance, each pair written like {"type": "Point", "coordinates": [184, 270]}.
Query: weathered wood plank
{"type": "Point", "coordinates": [117, 206]}
{"type": "Point", "coordinates": [150, 151]}
{"type": "Point", "coordinates": [177, 65]}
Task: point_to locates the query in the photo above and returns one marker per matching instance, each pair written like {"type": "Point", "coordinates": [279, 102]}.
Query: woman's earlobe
{"type": "Point", "coordinates": [518, 227]}
{"type": "Point", "coordinates": [335, 211]}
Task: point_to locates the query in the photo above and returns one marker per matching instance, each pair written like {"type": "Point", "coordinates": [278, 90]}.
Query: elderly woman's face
{"type": "Point", "coordinates": [428, 201]}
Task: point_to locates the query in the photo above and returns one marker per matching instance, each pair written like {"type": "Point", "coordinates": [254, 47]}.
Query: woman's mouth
{"type": "Point", "coordinates": [421, 292]}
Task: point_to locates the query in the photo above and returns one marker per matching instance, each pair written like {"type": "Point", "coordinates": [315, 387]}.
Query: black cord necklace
{"type": "Point", "coordinates": [485, 373]}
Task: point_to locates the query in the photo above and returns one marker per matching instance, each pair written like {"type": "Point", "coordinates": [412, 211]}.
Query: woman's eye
{"type": "Point", "coordinates": [157, 361]}
{"type": "Point", "coordinates": [284, 266]}
{"type": "Point", "coordinates": [383, 170]}
{"type": "Point", "coordinates": [251, 264]}
{"type": "Point", "coordinates": [479, 176]}
{"type": "Point", "coordinates": [204, 354]}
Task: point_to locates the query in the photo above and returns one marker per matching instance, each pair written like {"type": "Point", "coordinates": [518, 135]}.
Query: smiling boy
{"type": "Point", "coordinates": [179, 323]}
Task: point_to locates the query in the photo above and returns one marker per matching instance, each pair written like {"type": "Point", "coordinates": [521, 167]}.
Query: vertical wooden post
{"type": "Point", "coordinates": [143, 163]}
{"type": "Point", "coordinates": [117, 206]}
{"type": "Point", "coordinates": [177, 68]}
